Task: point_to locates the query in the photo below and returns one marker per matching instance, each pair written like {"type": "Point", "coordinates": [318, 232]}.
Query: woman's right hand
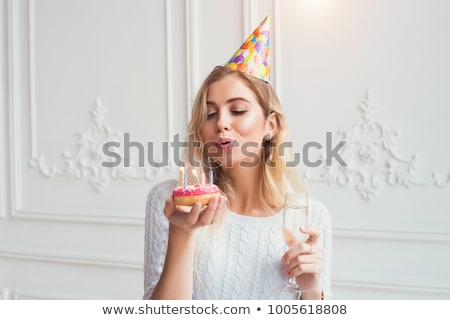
{"type": "Point", "coordinates": [197, 216]}
{"type": "Point", "coordinates": [176, 280]}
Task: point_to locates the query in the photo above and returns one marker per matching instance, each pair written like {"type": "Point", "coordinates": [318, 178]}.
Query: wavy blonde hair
{"type": "Point", "coordinates": [276, 177]}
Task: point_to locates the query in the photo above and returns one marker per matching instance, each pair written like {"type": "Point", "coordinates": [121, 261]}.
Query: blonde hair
{"type": "Point", "coordinates": [276, 177]}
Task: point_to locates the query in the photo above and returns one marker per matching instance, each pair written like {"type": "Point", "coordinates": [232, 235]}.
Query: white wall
{"type": "Point", "coordinates": [78, 73]}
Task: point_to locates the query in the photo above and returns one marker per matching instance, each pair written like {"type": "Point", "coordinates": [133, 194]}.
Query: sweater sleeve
{"type": "Point", "coordinates": [156, 235]}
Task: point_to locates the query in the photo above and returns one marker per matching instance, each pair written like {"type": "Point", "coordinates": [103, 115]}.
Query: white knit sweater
{"type": "Point", "coordinates": [240, 261]}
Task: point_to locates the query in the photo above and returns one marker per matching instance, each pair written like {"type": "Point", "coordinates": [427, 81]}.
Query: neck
{"type": "Point", "coordinates": [247, 195]}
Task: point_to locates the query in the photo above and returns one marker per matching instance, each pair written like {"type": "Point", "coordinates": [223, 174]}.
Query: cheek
{"type": "Point", "coordinates": [206, 133]}
{"type": "Point", "coordinates": [251, 127]}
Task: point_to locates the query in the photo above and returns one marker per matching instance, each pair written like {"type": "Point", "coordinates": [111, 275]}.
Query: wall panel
{"type": "Point", "coordinates": [80, 73]}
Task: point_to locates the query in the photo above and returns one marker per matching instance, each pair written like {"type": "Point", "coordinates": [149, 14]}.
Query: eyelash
{"type": "Point", "coordinates": [235, 112]}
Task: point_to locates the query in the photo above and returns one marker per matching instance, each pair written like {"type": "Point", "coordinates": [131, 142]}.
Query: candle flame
{"type": "Point", "coordinates": [194, 172]}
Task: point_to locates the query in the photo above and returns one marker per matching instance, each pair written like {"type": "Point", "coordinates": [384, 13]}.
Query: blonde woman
{"type": "Point", "coordinates": [233, 248]}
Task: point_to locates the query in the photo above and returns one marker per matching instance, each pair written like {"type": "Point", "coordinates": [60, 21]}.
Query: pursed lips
{"type": "Point", "coordinates": [225, 143]}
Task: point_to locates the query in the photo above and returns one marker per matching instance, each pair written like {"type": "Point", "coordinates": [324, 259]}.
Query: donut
{"type": "Point", "coordinates": [195, 193]}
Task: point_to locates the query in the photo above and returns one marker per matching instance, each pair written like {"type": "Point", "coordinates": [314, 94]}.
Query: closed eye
{"type": "Point", "coordinates": [211, 114]}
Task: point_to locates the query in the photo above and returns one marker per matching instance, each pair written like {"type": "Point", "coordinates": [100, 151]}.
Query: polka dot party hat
{"type": "Point", "coordinates": [253, 55]}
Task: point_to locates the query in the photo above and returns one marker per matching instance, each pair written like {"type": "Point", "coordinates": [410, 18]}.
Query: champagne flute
{"type": "Point", "coordinates": [295, 215]}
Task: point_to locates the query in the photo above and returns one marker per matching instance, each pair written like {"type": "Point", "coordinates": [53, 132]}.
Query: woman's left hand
{"type": "Point", "coordinates": [304, 260]}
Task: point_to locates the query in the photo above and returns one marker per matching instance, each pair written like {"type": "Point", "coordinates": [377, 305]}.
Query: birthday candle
{"type": "Point", "coordinates": [210, 176]}
{"type": "Point", "coordinates": [185, 178]}
{"type": "Point", "coordinates": [181, 176]}
{"type": "Point", "coordinates": [194, 172]}
{"type": "Point", "coordinates": [203, 178]}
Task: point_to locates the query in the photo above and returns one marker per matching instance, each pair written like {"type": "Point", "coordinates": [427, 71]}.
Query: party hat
{"type": "Point", "coordinates": [253, 55]}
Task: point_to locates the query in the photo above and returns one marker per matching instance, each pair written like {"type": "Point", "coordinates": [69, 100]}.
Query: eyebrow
{"type": "Point", "coordinates": [212, 103]}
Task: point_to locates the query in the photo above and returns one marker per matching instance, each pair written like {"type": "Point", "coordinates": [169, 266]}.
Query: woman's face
{"type": "Point", "coordinates": [235, 126]}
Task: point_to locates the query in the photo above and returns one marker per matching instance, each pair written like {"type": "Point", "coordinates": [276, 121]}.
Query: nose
{"type": "Point", "coordinates": [223, 122]}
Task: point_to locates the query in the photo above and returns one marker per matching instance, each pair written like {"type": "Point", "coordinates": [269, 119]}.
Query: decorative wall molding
{"type": "Point", "coordinates": [348, 281]}
{"type": "Point", "coordinates": [25, 295]}
{"type": "Point", "coordinates": [191, 52]}
{"type": "Point", "coordinates": [72, 259]}
{"type": "Point", "coordinates": [393, 235]}
{"type": "Point", "coordinates": [277, 48]}
{"type": "Point", "coordinates": [86, 162]}
{"type": "Point", "coordinates": [4, 124]}
{"type": "Point", "coordinates": [13, 101]}
{"type": "Point", "coordinates": [169, 68]}
{"type": "Point", "coordinates": [20, 34]}
{"type": "Point", "coordinates": [372, 160]}
{"type": "Point", "coordinates": [78, 217]}
{"type": "Point", "coordinates": [42, 295]}
{"type": "Point", "coordinates": [11, 294]}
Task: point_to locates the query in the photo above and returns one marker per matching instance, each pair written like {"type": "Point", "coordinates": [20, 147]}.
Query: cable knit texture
{"type": "Point", "coordinates": [241, 261]}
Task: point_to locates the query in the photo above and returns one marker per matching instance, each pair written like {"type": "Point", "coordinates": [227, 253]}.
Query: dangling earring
{"type": "Point", "coordinates": [267, 144]}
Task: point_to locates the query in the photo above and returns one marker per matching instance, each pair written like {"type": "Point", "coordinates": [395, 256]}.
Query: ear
{"type": "Point", "coordinates": [272, 125]}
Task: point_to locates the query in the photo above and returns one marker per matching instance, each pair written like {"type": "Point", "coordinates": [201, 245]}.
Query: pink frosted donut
{"type": "Point", "coordinates": [192, 194]}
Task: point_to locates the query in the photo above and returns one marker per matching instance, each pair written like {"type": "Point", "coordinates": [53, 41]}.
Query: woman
{"type": "Point", "coordinates": [233, 248]}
